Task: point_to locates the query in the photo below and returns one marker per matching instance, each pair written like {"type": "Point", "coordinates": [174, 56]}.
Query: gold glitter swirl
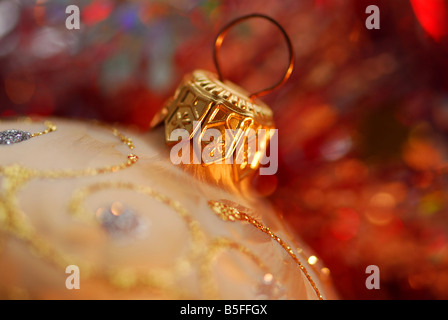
{"type": "Point", "coordinates": [229, 213]}
{"type": "Point", "coordinates": [218, 245]}
{"type": "Point", "coordinates": [15, 223]}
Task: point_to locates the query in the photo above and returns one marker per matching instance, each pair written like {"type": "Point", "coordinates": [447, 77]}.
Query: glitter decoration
{"type": "Point", "coordinates": [118, 220]}
{"type": "Point", "coordinates": [230, 213]}
{"type": "Point", "coordinates": [13, 136]}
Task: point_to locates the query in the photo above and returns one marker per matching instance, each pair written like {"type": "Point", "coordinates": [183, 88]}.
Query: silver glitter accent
{"type": "Point", "coordinates": [119, 221]}
{"type": "Point", "coordinates": [13, 136]}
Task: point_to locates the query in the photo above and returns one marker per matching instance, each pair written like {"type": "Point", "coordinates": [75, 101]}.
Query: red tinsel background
{"type": "Point", "coordinates": [363, 121]}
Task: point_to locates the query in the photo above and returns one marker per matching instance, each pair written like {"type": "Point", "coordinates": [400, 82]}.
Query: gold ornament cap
{"type": "Point", "coordinates": [242, 124]}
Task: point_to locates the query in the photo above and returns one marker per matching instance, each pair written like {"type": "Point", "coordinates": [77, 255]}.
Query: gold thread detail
{"type": "Point", "coordinates": [229, 213]}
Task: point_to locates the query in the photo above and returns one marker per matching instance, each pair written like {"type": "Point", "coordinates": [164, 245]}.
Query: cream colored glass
{"type": "Point", "coordinates": [56, 190]}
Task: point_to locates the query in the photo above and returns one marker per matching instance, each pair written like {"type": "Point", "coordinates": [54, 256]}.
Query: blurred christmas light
{"type": "Point", "coordinates": [48, 42]}
{"type": "Point", "coordinates": [433, 17]}
{"type": "Point", "coordinates": [20, 87]}
{"type": "Point", "coordinates": [312, 260]}
{"type": "Point", "coordinates": [337, 148]}
{"type": "Point", "coordinates": [96, 11]}
{"type": "Point", "coordinates": [9, 15]}
{"type": "Point", "coordinates": [39, 12]}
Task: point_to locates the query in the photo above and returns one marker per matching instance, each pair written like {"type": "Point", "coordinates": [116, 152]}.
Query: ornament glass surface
{"type": "Point", "coordinates": [136, 225]}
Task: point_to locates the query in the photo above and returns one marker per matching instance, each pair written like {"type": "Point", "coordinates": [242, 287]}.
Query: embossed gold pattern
{"type": "Point", "coordinates": [203, 102]}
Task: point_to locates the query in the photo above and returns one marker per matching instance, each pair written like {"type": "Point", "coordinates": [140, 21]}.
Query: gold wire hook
{"type": "Point", "coordinates": [222, 34]}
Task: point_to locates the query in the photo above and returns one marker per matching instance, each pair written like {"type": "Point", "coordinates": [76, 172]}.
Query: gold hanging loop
{"type": "Point", "coordinates": [222, 34]}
